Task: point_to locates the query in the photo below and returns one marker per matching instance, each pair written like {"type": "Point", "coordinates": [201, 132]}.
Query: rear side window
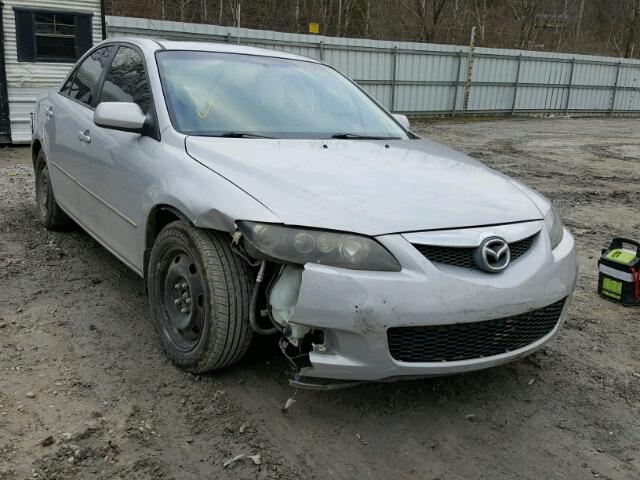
{"type": "Point", "coordinates": [67, 85]}
{"type": "Point", "coordinates": [126, 80]}
{"type": "Point", "coordinates": [82, 84]}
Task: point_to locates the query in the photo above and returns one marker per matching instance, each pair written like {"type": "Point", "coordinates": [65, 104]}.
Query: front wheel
{"type": "Point", "coordinates": [199, 293]}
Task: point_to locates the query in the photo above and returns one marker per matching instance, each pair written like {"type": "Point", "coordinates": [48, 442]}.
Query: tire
{"type": "Point", "coordinates": [199, 294]}
{"type": "Point", "coordinates": [50, 214]}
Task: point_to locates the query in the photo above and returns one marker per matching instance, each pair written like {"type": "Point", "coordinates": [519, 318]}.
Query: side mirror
{"type": "Point", "coordinates": [402, 120]}
{"type": "Point", "coordinates": [124, 116]}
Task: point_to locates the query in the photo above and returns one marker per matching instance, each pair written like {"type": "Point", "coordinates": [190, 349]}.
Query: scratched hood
{"type": "Point", "coordinates": [369, 187]}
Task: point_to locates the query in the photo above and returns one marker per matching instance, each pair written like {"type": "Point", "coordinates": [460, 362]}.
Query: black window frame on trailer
{"type": "Point", "coordinates": [30, 20]}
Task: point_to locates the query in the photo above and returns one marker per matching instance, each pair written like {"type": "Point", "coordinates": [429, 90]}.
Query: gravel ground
{"type": "Point", "coordinates": [85, 392]}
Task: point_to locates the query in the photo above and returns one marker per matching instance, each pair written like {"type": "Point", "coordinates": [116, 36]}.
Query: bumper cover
{"type": "Point", "coordinates": [355, 309]}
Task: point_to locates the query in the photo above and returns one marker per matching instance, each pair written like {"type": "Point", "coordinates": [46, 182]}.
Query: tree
{"type": "Point", "coordinates": [428, 18]}
{"type": "Point", "coordinates": [632, 29]}
{"type": "Point", "coordinates": [480, 9]}
{"type": "Point", "coordinates": [525, 12]}
{"type": "Point", "coordinates": [585, 26]}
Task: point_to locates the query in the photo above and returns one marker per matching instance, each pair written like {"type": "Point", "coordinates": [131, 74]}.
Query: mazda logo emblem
{"type": "Point", "coordinates": [493, 255]}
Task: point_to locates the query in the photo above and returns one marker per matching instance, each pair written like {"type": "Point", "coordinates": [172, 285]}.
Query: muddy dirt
{"type": "Point", "coordinates": [86, 393]}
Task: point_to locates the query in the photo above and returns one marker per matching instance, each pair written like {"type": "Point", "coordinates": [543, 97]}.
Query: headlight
{"type": "Point", "coordinates": [299, 245]}
{"type": "Point", "coordinates": [554, 227]}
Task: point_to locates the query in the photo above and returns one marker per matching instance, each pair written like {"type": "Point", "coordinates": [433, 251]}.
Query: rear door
{"type": "Point", "coordinates": [67, 114]}
{"type": "Point", "coordinates": [118, 167]}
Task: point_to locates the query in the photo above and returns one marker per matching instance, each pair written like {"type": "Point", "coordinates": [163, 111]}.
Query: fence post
{"type": "Point", "coordinates": [321, 47]}
{"type": "Point", "coordinates": [615, 90]}
{"type": "Point", "coordinates": [515, 85]}
{"type": "Point", "coordinates": [238, 23]}
{"type": "Point", "coordinates": [467, 83]}
{"type": "Point", "coordinates": [566, 105]}
{"type": "Point", "coordinates": [455, 84]}
{"type": "Point", "coordinates": [393, 78]}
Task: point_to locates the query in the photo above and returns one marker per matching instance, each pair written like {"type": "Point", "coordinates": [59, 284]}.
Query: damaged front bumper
{"type": "Point", "coordinates": [355, 309]}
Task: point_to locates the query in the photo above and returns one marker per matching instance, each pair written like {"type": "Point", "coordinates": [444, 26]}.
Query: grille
{"type": "Point", "coordinates": [520, 247]}
{"type": "Point", "coordinates": [463, 256]}
{"type": "Point", "coordinates": [464, 341]}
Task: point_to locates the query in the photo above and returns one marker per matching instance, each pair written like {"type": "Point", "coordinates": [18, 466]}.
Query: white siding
{"type": "Point", "coordinates": [26, 81]}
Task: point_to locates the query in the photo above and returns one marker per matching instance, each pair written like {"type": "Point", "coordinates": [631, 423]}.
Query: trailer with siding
{"type": "Point", "coordinates": [40, 40]}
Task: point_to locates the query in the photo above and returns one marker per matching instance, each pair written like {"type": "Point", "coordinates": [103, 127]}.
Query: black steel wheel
{"type": "Point", "coordinates": [199, 293]}
{"type": "Point", "coordinates": [49, 213]}
{"type": "Point", "coordinates": [183, 306]}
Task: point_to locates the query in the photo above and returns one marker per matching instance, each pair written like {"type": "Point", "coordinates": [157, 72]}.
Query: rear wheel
{"type": "Point", "coordinates": [199, 293]}
{"type": "Point", "coordinates": [49, 213]}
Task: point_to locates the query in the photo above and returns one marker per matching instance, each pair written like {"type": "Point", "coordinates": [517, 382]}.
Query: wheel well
{"type": "Point", "coordinates": [36, 146]}
{"type": "Point", "coordinates": [160, 217]}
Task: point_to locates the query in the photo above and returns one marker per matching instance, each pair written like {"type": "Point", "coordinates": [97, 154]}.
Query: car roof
{"type": "Point", "coordinates": [162, 44]}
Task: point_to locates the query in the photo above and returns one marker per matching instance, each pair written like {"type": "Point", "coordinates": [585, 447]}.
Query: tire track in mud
{"type": "Point", "coordinates": [117, 407]}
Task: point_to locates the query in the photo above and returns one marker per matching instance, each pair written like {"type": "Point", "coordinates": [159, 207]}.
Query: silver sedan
{"type": "Point", "coordinates": [259, 192]}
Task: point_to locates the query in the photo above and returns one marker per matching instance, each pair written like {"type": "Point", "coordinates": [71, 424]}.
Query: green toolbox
{"type": "Point", "coordinates": [619, 272]}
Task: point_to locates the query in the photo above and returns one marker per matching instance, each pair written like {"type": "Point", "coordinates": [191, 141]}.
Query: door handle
{"type": "Point", "coordinates": [84, 136]}
{"type": "Point", "coordinates": [49, 112]}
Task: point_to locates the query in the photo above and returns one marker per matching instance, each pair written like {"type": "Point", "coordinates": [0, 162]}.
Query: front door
{"type": "Point", "coordinates": [118, 166]}
{"type": "Point", "coordinates": [5, 129]}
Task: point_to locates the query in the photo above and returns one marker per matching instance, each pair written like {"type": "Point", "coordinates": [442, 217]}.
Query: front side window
{"type": "Point", "coordinates": [211, 93]}
{"type": "Point", "coordinates": [126, 80]}
{"type": "Point", "coordinates": [52, 36]}
{"type": "Point", "coordinates": [82, 84]}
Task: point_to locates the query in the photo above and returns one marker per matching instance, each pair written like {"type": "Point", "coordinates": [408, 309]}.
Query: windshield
{"type": "Point", "coordinates": [225, 94]}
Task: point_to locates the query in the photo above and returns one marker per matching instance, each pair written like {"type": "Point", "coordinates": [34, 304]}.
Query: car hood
{"type": "Point", "coordinates": [368, 187]}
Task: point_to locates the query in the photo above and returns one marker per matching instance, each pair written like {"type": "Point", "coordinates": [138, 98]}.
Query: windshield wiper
{"type": "Point", "coordinates": [355, 136]}
{"type": "Point", "coordinates": [240, 135]}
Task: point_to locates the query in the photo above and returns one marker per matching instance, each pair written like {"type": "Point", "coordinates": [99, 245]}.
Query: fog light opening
{"type": "Point", "coordinates": [297, 350]}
